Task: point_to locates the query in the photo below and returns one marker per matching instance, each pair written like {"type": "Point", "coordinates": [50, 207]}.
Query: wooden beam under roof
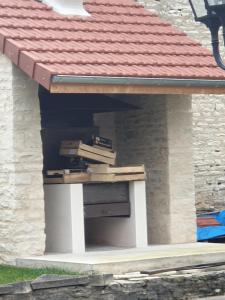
{"type": "Point", "coordinates": [67, 88]}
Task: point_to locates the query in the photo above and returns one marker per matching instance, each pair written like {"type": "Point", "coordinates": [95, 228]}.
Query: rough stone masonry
{"type": "Point", "coordinates": [21, 184]}
{"type": "Point", "coordinates": [166, 123]}
{"type": "Point", "coordinates": [208, 114]}
{"type": "Point", "coordinates": [193, 284]}
{"type": "Point", "coordinates": [159, 134]}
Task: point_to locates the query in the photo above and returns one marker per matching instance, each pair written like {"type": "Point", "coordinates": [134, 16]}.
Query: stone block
{"type": "Point", "coordinates": [55, 281]}
{"type": "Point", "coordinates": [15, 288]}
{"type": "Point", "coordinates": [101, 280]}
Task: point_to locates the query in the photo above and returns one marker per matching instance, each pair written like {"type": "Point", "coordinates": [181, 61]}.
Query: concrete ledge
{"type": "Point", "coordinates": [131, 260]}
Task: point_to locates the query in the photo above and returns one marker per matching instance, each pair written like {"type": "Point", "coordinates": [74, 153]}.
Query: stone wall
{"type": "Point", "coordinates": [21, 185]}
{"type": "Point", "coordinates": [153, 135]}
{"type": "Point", "coordinates": [159, 134]}
{"type": "Point", "coordinates": [185, 285]}
{"type": "Point", "coordinates": [208, 115]}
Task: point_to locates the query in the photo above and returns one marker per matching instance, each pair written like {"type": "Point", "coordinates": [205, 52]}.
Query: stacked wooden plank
{"type": "Point", "coordinates": [99, 164]}
{"type": "Point", "coordinates": [93, 153]}
{"type": "Point", "coordinates": [66, 176]}
{"type": "Point", "coordinates": [97, 173]}
{"type": "Point", "coordinates": [105, 173]}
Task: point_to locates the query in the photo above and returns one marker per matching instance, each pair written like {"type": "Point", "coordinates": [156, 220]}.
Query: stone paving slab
{"type": "Point", "coordinates": [131, 260]}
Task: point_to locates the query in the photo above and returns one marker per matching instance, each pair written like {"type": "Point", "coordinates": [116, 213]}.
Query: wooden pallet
{"type": "Point", "coordinates": [106, 169]}
{"type": "Point", "coordinates": [77, 148]}
{"type": "Point", "coordinates": [79, 177]}
{"type": "Point", "coordinates": [116, 178]}
{"type": "Point", "coordinates": [97, 173]}
{"type": "Point", "coordinates": [63, 172]}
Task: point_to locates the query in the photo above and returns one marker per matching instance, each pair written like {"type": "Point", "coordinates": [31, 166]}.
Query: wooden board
{"type": "Point", "coordinates": [87, 154]}
{"type": "Point", "coordinates": [88, 177]}
{"type": "Point", "coordinates": [107, 210]}
{"type": "Point", "coordinates": [76, 177]}
{"type": "Point", "coordinates": [133, 89]}
{"type": "Point", "coordinates": [96, 173]}
{"type": "Point", "coordinates": [116, 178]}
{"type": "Point", "coordinates": [106, 169]}
{"type": "Point", "coordinates": [49, 180]}
{"type": "Point", "coordinates": [80, 177]}
{"type": "Point", "coordinates": [106, 192]}
{"type": "Point", "coordinates": [92, 149]}
{"type": "Point", "coordinates": [188, 267]}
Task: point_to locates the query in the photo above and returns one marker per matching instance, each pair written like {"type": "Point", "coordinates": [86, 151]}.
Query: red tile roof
{"type": "Point", "coordinates": [119, 39]}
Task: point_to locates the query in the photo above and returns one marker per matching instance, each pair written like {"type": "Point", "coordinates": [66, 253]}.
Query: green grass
{"type": "Point", "coordinates": [11, 274]}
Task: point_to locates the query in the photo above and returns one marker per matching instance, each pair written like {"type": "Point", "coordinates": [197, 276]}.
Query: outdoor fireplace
{"type": "Point", "coordinates": [89, 200]}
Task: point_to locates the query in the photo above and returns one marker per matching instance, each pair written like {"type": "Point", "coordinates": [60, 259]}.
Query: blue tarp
{"type": "Point", "coordinates": [211, 232]}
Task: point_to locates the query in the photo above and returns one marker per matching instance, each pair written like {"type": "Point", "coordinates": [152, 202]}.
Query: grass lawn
{"type": "Point", "coordinates": [10, 274]}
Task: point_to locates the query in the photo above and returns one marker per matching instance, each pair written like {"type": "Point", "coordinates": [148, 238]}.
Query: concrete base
{"type": "Point", "coordinates": [64, 219]}
{"type": "Point", "coordinates": [130, 260]}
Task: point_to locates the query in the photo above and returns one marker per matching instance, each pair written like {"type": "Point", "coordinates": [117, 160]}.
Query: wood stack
{"type": "Point", "coordinates": [99, 160]}
{"type": "Point", "coordinates": [105, 173]}
{"type": "Point", "coordinates": [97, 173]}
{"type": "Point", "coordinates": [93, 153]}
{"type": "Point", "coordinates": [66, 176]}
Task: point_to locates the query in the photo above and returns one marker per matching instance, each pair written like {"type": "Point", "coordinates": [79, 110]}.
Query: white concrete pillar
{"type": "Point", "coordinates": [138, 213]}
{"type": "Point", "coordinates": [64, 217]}
{"type": "Point", "coordinates": [77, 218]}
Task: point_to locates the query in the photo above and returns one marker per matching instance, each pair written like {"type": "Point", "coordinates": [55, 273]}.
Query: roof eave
{"type": "Point", "coordinates": [132, 85]}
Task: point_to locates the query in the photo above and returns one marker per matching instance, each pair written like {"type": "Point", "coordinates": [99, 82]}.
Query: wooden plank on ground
{"type": "Point", "coordinates": [189, 267]}
{"type": "Point", "coordinates": [87, 154]}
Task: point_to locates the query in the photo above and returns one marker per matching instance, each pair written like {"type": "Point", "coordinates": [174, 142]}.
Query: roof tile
{"type": "Point", "coordinates": [120, 38]}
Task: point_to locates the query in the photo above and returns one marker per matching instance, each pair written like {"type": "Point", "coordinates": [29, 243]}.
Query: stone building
{"type": "Point", "coordinates": [208, 115]}
{"type": "Point", "coordinates": [123, 51]}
